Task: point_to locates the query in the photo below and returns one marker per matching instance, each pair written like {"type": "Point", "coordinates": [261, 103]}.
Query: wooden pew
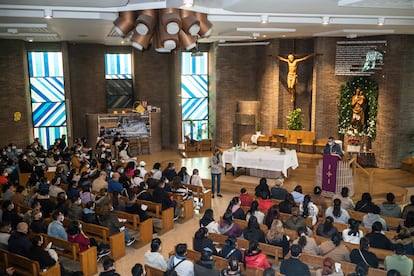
{"type": "Point", "coordinates": [87, 258]}
{"type": "Point", "coordinates": [392, 223]}
{"type": "Point", "coordinates": [380, 253]}
{"type": "Point", "coordinates": [101, 234]}
{"type": "Point", "coordinates": [24, 179]}
{"type": "Point", "coordinates": [274, 251]}
{"type": "Point", "coordinates": [192, 255]}
{"type": "Point", "coordinates": [187, 205]}
{"type": "Point", "coordinates": [243, 224]}
{"type": "Point", "coordinates": [198, 192]}
{"type": "Point", "coordinates": [220, 262]}
{"type": "Point", "coordinates": [285, 216]}
{"type": "Point", "coordinates": [153, 271]}
{"type": "Point", "coordinates": [133, 222]}
{"type": "Point", "coordinates": [314, 262]}
{"type": "Point", "coordinates": [155, 210]}
{"type": "Point", "coordinates": [269, 250]}
{"type": "Point", "coordinates": [24, 266]}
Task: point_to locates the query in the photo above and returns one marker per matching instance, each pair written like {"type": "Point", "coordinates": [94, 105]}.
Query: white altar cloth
{"type": "Point", "coordinates": [262, 158]}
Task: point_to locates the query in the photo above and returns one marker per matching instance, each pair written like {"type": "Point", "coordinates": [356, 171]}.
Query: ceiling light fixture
{"type": "Point", "coordinates": [381, 21]}
{"type": "Point", "coordinates": [264, 19]}
{"type": "Point", "coordinates": [47, 13]}
{"type": "Point", "coordinates": [325, 20]}
{"type": "Point", "coordinates": [146, 22]}
{"type": "Point", "coordinates": [125, 22]}
{"type": "Point", "coordinates": [168, 28]}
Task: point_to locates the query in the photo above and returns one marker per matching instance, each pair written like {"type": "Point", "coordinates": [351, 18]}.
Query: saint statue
{"type": "Point", "coordinates": [292, 78]}
{"type": "Point", "coordinates": [358, 110]}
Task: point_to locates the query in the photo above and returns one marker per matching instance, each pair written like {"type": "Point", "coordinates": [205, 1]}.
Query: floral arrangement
{"type": "Point", "coordinates": [370, 90]}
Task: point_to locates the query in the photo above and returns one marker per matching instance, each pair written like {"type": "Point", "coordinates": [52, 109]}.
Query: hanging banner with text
{"type": "Point", "coordinates": [359, 58]}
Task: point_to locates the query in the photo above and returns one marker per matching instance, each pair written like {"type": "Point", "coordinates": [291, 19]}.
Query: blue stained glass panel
{"type": "Point", "coordinates": [194, 65]}
{"type": "Point", "coordinates": [118, 64]}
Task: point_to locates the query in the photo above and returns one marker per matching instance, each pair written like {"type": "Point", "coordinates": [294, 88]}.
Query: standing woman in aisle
{"type": "Point", "coordinates": [216, 165]}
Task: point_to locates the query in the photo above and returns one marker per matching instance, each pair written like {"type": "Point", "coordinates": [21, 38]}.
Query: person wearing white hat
{"type": "Point", "coordinates": [142, 169]}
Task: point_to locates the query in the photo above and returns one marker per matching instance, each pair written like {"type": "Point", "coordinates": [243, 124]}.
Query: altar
{"type": "Point", "coordinates": [262, 158]}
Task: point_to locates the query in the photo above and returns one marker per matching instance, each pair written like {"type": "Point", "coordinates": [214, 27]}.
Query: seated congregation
{"type": "Point", "coordinates": [304, 235]}
{"type": "Point", "coordinates": [85, 207]}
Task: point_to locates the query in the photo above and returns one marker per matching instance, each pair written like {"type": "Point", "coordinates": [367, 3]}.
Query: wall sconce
{"type": "Point", "coordinates": [125, 22]}
{"type": "Point", "coordinates": [325, 20]}
{"type": "Point", "coordinates": [264, 19]}
{"type": "Point", "coordinates": [381, 21]}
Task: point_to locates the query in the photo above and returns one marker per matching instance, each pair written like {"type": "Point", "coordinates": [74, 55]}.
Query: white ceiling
{"type": "Point", "coordinates": [91, 21]}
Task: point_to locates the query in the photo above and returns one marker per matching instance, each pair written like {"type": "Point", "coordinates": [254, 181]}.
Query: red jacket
{"type": "Point", "coordinates": [265, 204]}
{"type": "Point", "coordinates": [246, 200]}
{"type": "Point", "coordinates": [259, 260]}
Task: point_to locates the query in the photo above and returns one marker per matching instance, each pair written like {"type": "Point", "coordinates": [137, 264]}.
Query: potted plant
{"type": "Point", "coordinates": [294, 119]}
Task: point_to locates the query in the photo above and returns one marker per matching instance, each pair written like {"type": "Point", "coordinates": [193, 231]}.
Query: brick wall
{"type": "Point", "coordinates": [14, 96]}
{"type": "Point", "coordinates": [236, 73]}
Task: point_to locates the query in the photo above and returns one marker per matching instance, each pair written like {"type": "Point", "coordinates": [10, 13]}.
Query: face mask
{"type": "Point", "coordinates": [80, 226]}
{"type": "Point", "coordinates": [330, 143]}
{"type": "Point", "coordinates": [58, 152]}
{"type": "Point", "coordinates": [24, 158]}
{"type": "Point", "coordinates": [62, 218]}
{"type": "Point", "coordinates": [6, 174]}
{"type": "Point", "coordinates": [111, 209]}
{"type": "Point", "coordinates": [121, 171]}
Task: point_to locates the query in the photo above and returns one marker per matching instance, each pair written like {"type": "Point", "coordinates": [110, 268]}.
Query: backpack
{"type": "Point", "coordinates": [171, 271]}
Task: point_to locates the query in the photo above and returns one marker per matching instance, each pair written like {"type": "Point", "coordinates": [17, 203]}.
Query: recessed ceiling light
{"type": "Point", "coordinates": [48, 13]}
{"type": "Point", "coordinates": [264, 19]}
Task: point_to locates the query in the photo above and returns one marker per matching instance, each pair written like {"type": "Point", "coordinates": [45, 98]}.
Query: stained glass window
{"type": "Point", "coordinates": [118, 74]}
{"type": "Point", "coordinates": [194, 96]}
{"type": "Point", "coordinates": [47, 96]}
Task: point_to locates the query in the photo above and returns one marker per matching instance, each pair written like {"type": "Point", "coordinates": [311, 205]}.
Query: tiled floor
{"type": "Point", "coordinates": [184, 232]}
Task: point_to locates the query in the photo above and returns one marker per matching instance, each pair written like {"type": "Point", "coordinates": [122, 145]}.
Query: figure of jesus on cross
{"type": "Point", "coordinates": [292, 78]}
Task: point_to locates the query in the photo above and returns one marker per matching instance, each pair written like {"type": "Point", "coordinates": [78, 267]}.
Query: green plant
{"type": "Point", "coordinates": [295, 119]}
